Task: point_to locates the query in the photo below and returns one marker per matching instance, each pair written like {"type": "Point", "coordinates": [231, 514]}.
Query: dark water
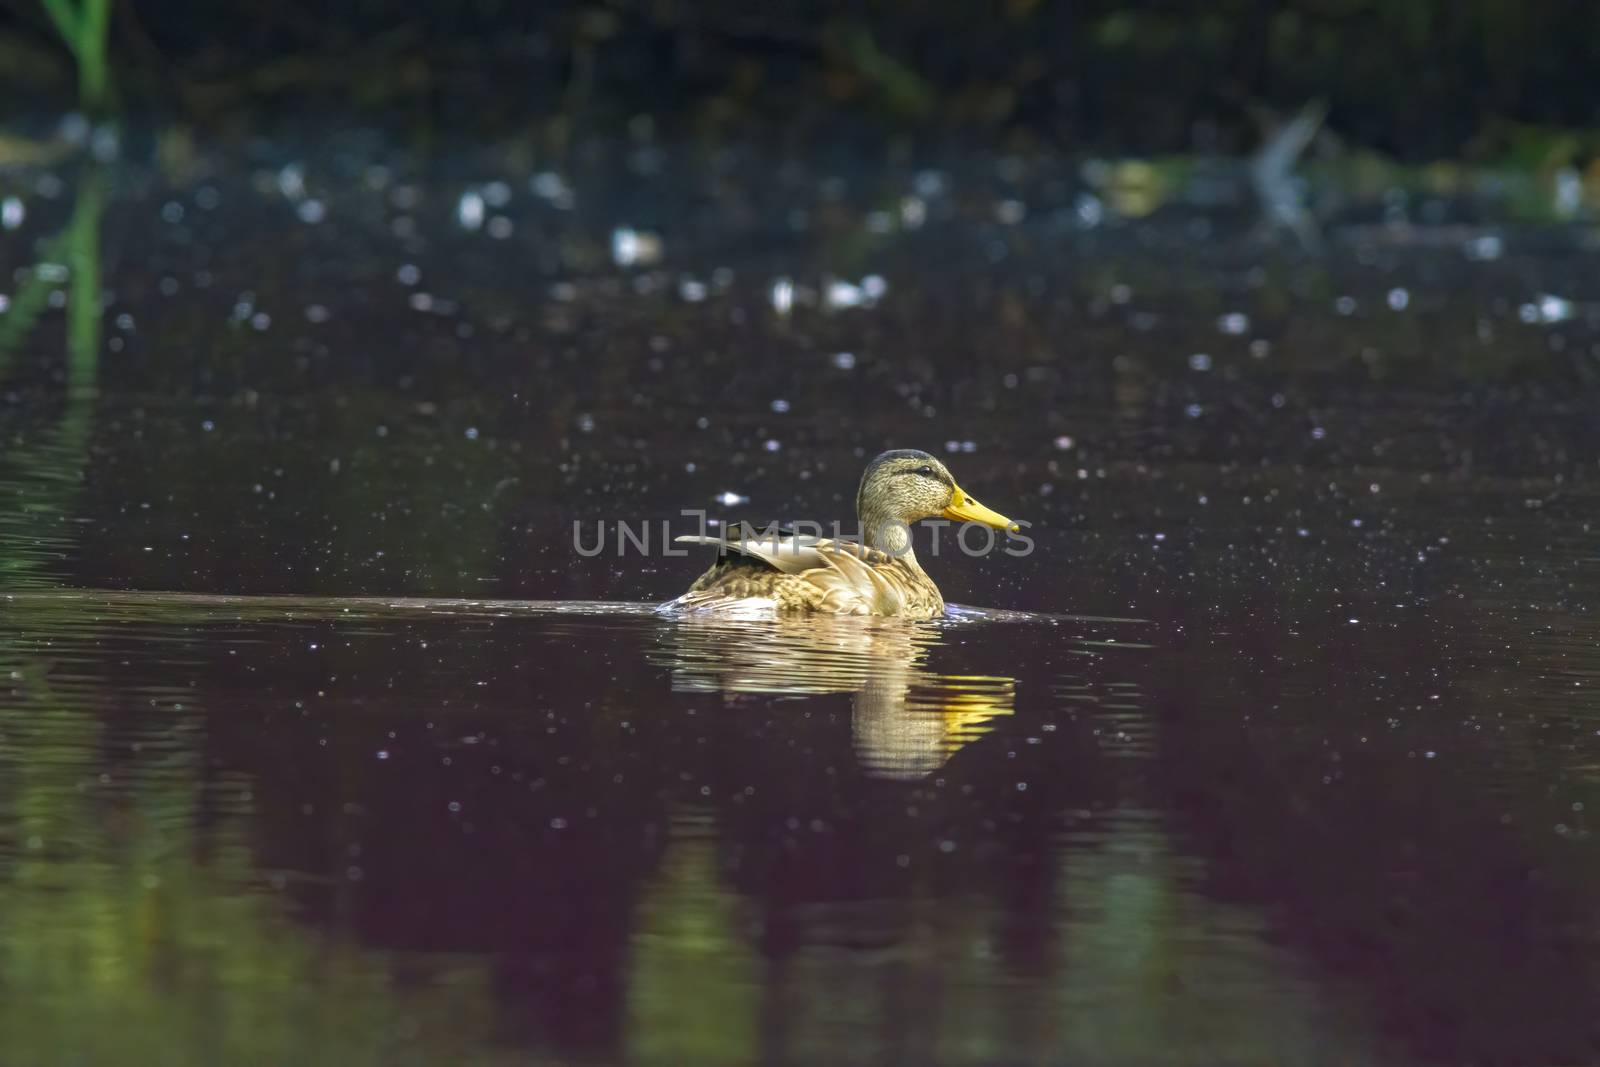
{"type": "Point", "coordinates": [319, 743]}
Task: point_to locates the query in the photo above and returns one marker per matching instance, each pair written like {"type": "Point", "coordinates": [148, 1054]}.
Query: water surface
{"type": "Point", "coordinates": [319, 743]}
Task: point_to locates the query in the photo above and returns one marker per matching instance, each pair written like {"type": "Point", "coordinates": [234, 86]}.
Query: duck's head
{"type": "Point", "coordinates": [904, 485]}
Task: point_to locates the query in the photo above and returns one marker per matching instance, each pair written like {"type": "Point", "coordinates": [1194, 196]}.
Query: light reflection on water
{"type": "Point", "coordinates": [906, 719]}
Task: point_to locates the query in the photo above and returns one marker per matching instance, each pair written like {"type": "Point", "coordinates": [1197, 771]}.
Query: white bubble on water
{"type": "Point", "coordinates": [1089, 210]}
{"type": "Point", "coordinates": [470, 210]}
{"type": "Point", "coordinates": [291, 180]}
{"type": "Point", "coordinates": [635, 248]}
{"type": "Point", "coordinates": [1485, 248]}
{"type": "Point", "coordinates": [496, 193]}
{"type": "Point", "coordinates": [553, 189]}
{"type": "Point", "coordinates": [841, 294]}
{"type": "Point", "coordinates": [781, 294]}
{"type": "Point", "coordinates": [1554, 308]}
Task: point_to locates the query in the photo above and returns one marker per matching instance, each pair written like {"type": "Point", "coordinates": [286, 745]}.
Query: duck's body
{"type": "Point", "coordinates": [777, 572]}
{"type": "Point", "coordinates": [783, 574]}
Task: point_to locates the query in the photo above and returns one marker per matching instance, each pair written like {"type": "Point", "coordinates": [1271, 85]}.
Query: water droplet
{"type": "Point", "coordinates": [634, 248]}
{"type": "Point", "coordinates": [841, 294]}
{"type": "Point", "coordinates": [781, 295]}
{"type": "Point", "coordinates": [1010, 212]}
{"type": "Point", "coordinates": [496, 194]}
{"type": "Point", "coordinates": [470, 210]}
{"type": "Point", "coordinates": [1089, 210]}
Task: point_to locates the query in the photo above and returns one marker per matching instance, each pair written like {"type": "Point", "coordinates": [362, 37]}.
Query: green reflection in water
{"type": "Point", "coordinates": [45, 476]}
{"type": "Point", "coordinates": [135, 926]}
{"type": "Point", "coordinates": [695, 981]}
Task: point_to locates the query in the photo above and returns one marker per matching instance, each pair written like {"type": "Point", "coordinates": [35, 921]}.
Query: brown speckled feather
{"type": "Point", "coordinates": [820, 575]}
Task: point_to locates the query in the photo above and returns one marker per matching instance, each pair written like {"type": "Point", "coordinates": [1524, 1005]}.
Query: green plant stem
{"type": "Point", "coordinates": [66, 19]}
{"type": "Point", "coordinates": [83, 304]}
{"type": "Point", "coordinates": [95, 26]}
{"type": "Point", "coordinates": [85, 30]}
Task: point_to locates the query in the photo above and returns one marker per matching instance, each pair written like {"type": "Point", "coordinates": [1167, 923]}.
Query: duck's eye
{"type": "Point", "coordinates": [928, 472]}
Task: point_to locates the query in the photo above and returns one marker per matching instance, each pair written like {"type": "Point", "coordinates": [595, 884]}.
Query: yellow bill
{"type": "Point", "coordinates": [962, 508]}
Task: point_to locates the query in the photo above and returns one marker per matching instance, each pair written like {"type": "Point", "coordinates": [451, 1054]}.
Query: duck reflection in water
{"type": "Point", "coordinates": [907, 718]}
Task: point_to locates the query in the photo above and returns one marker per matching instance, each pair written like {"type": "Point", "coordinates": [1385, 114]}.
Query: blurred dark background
{"type": "Point", "coordinates": [1492, 81]}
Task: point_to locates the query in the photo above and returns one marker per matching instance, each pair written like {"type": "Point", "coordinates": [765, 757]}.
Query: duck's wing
{"type": "Point", "coordinates": [788, 552]}
{"type": "Point", "coordinates": [843, 577]}
{"type": "Point", "coordinates": [856, 580]}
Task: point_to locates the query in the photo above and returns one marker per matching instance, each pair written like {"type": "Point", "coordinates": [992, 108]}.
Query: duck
{"type": "Point", "coordinates": [780, 572]}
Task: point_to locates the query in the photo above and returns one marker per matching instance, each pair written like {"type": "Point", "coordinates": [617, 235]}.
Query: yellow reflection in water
{"type": "Point", "coordinates": [907, 720]}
